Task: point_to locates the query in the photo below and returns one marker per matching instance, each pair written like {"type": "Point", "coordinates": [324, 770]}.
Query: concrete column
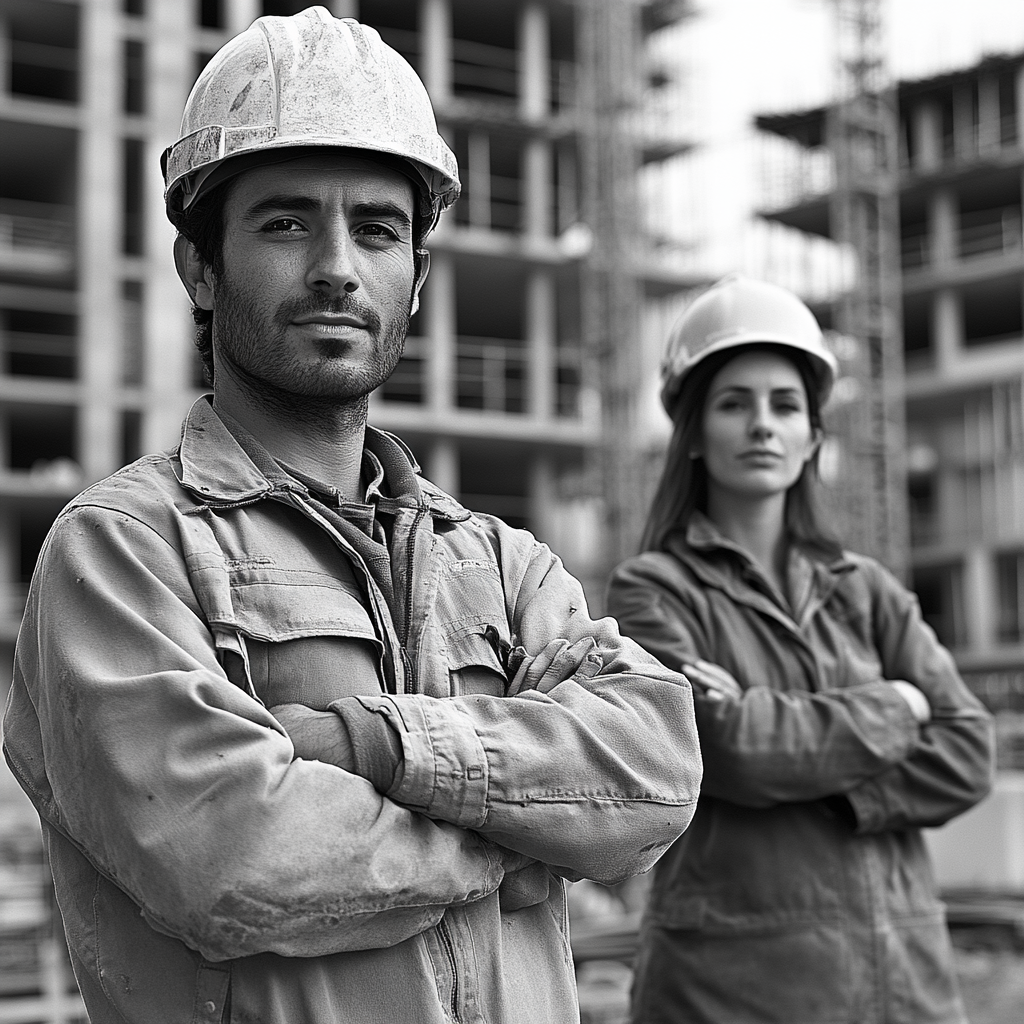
{"type": "Point", "coordinates": [979, 598]}
{"type": "Point", "coordinates": [947, 329]}
{"type": "Point", "coordinates": [1020, 106]}
{"type": "Point", "coordinates": [926, 131]}
{"type": "Point", "coordinates": [342, 8]}
{"type": "Point", "coordinates": [943, 226]}
{"type": "Point", "coordinates": [568, 197]}
{"type": "Point", "coordinates": [540, 498]}
{"type": "Point", "coordinates": [168, 326]}
{"type": "Point", "coordinates": [541, 333]}
{"type": "Point", "coordinates": [534, 63]}
{"type": "Point", "coordinates": [439, 307]}
{"type": "Point", "coordinates": [478, 180]}
{"type": "Point", "coordinates": [965, 139]}
{"type": "Point", "coordinates": [436, 38]}
{"type": "Point", "coordinates": [988, 114]}
{"type": "Point", "coordinates": [443, 466]}
{"type": "Point", "coordinates": [10, 605]}
{"type": "Point", "coordinates": [238, 14]}
{"type": "Point", "coordinates": [100, 182]}
{"type": "Point", "coordinates": [537, 188]}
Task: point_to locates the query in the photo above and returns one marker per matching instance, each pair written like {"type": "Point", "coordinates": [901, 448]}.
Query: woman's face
{"type": "Point", "coordinates": [756, 427]}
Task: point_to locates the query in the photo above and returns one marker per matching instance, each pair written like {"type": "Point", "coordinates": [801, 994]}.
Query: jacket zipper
{"type": "Point", "coordinates": [410, 557]}
{"type": "Point", "coordinates": [446, 941]}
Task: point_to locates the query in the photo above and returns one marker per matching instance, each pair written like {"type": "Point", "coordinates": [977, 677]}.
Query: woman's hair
{"type": "Point", "coordinates": [683, 488]}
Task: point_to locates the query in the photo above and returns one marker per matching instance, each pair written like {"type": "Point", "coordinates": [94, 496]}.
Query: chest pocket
{"type": "Point", "coordinates": [474, 666]}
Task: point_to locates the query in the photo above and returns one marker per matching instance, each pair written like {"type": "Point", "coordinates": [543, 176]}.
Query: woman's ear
{"type": "Point", "coordinates": [817, 438]}
{"type": "Point", "coordinates": [195, 275]}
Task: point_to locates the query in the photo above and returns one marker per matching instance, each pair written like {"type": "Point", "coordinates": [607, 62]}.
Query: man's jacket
{"type": "Point", "coordinates": [199, 866]}
{"type": "Point", "coordinates": [802, 891]}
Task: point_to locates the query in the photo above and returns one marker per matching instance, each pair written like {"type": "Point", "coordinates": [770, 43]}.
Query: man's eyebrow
{"type": "Point", "coordinates": [385, 209]}
{"type": "Point", "coordinates": [283, 201]}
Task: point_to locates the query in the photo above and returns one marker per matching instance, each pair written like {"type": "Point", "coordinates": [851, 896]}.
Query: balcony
{"type": "Point", "coordinates": [988, 232]}
{"type": "Point", "coordinates": [36, 240]}
{"type": "Point", "coordinates": [492, 376]}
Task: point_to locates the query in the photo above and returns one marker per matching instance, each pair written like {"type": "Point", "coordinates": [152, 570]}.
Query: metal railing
{"type": "Point", "coordinates": [491, 375]}
{"type": "Point", "coordinates": [36, 237]}
{"type": "Point", "coordinates": [984, 232]}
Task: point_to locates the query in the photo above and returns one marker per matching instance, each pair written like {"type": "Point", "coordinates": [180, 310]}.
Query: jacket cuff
{"type": "Point", "coordinates": [376, 747]}
{"type": "Point", "coordinates": [444, 768]}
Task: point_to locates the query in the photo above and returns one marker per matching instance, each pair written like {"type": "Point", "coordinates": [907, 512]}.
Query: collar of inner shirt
{"type": "Point", "coordinates": [371, 478]}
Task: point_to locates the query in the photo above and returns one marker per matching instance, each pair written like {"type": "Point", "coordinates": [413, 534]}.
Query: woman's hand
{"type": "Point", "coordinates": [715, 682]}
{"type": "Point", "coordinates": [918, 702]}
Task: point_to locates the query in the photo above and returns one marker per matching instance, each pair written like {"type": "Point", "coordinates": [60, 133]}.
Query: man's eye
{"type": "Point", "coordinates": [284, 225]}
{"type": "Point", "coordinates": [377, 232]}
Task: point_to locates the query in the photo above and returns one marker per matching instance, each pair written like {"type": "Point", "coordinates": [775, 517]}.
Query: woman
{"type": "Point", "coordinates": [832, 723]}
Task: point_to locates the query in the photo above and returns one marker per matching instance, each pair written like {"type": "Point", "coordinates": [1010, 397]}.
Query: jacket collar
{"type": "Point", "coordinates": [214, 466]}
{"type": "Point", "coordinates": [721, 563]}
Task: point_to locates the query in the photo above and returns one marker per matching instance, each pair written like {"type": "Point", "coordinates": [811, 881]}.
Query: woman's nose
{"type": "Point", "coordinates": [332, 269]}
{"type": "Point", "coordinates": [760, 420]}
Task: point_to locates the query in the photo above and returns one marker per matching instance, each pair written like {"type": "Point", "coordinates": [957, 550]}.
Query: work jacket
{"type": "Point", "coordinates": [802, 892]}
{"type": "Point", "coordinates": [206, 875]}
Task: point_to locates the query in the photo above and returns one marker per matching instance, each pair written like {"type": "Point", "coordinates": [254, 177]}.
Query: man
{"type": "Point", "coordinates": [310, 742]}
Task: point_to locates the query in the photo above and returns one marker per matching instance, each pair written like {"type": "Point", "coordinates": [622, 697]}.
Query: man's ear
{"type": "Point", "coordinates": [195, 275]}
{"type": "Point", "coordinates": [421, 264]}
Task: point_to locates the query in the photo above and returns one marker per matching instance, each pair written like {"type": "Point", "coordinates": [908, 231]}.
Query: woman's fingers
{"type": "Point", "coordinates": [714, 680]}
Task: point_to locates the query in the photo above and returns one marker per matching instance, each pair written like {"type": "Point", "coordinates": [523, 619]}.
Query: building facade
{"type": "Point", "coordinates": [534, 307]}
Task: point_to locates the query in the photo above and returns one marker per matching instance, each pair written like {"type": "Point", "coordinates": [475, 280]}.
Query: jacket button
{"type": "Point", "coordinates": [210, 1006]}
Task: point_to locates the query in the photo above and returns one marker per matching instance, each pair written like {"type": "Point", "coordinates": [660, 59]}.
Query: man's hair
{"type": "Point", "coordinates": [683, 488]}
{"type": "Point", "coordinates": [203, 225]}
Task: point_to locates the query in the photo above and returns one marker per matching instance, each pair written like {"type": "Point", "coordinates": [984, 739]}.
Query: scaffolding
{"type": "Point", "coordinates": [862, 134]}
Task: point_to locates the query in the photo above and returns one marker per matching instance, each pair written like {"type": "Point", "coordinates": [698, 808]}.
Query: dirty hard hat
{"type": "Point", "coordinates": [741, 311]}
{"type": "Point", "coordinates": [307, 80]}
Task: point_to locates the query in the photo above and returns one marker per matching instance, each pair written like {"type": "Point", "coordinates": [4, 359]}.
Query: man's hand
{"type": "Point", "coordinates": [558, 662]}
{"type": "Point", "coordinates": [714, 681]}
{"type": "Point", "coordinates": [316, 735]}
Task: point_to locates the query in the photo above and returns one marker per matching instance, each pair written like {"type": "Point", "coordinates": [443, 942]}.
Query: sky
{"type": "Point", "coordinates": [742, 57]}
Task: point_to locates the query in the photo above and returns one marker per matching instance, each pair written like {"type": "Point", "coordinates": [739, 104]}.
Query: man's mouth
{"type": "Point", "coordinates": [335, 320]}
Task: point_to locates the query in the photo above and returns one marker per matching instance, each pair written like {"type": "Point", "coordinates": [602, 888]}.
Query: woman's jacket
{"type": "Point", "coordinates": [805, 852]}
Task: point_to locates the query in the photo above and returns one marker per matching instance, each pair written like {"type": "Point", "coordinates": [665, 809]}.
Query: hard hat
{"type": "Point", "coordinates": [307, 80]}
{"type": "Point", "coordinates": [735, 311]}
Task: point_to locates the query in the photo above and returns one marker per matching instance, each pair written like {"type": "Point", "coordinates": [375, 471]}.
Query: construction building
{"type": "Point", "coordinates": [517, 387]}
{"type": "Point", "coordinates": [958, 239]}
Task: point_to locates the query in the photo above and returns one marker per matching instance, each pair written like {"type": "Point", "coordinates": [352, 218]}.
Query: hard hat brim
{"type": "Point", "coordinates": [824, 364]}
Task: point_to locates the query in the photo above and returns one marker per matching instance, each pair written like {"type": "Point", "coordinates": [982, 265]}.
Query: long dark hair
{"type": "Point", "coordinates": [683, 488]}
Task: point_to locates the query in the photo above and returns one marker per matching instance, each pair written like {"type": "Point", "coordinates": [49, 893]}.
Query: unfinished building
{"type": "Point", "coordinates": [516, 387]}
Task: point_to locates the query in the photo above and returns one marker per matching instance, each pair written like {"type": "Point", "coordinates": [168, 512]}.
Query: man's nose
{"type": "Point", "coordinates": [332, 268]}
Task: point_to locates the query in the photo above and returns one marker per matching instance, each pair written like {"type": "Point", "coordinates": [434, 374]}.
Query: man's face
{"type": "Point", "coordinates": [319, 278]}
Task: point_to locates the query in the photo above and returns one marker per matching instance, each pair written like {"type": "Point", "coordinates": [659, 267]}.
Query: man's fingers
{"type": "Point", "coordinates": [567, 663]}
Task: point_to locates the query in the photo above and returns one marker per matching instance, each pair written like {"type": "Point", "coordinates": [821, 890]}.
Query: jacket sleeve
{"type": "Point", "coordinates": [771, 746]}
{"type": "Point", "coordinates": [182, 789]}
{"type": "Point", "coordinates": [595, 778]}
{"type": "Point", "coordinates": [951, 767]}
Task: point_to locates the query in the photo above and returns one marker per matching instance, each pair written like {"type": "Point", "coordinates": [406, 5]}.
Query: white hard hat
{"type": "Point", "coordinates": [308, 80]}
{"type": "Point", "coordinates": [735, 311]}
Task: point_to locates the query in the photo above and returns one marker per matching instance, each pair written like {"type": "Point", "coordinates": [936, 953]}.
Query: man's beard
{"type": "Point", "coordinates": [257, 350]}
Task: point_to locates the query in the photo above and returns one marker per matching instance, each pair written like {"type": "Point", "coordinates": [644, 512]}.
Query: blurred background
{"type": "Point", "coordinates": [616, 157]}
